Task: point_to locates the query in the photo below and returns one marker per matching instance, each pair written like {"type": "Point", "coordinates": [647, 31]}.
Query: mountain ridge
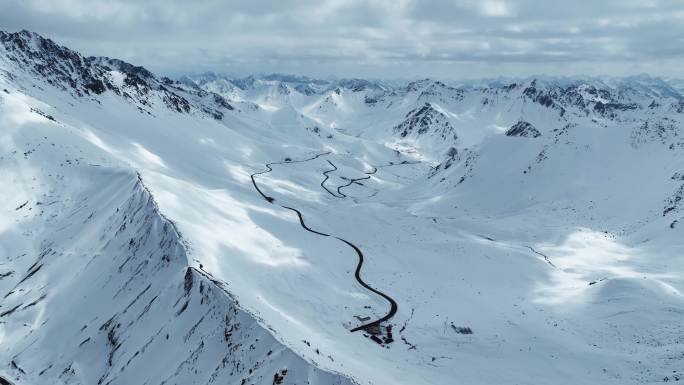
{"type": "Point", "coordinates": [525, 231]}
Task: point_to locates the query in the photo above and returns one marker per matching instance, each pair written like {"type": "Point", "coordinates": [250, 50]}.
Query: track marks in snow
{"type": "Point", "coordinates": [546, 257]}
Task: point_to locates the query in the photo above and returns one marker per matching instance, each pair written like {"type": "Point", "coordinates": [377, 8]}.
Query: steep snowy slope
{"type": "Point", "coordinates": [95, 280]}
{"type": "Point", "coordinates": [518, 233]}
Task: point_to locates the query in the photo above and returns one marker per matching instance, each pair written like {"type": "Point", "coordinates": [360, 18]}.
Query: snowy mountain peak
{"type": "Point", "coordinates": [427, 127]}
{"type": "Point", "coordinates": [30, 58]}
{"type": "Point", "coordinates": [55, 64]}
{"type": "Point", "coordinates": [278, 229]}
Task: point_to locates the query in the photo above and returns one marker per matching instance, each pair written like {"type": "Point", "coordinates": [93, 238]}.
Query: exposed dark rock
{"type": "Point", "coordinates": [664, 130]}
{"type": "Point", "coordinates": [440, 92]}
{"type": "Point", "coordinates": [523, 129]}
{"type": "Point", "coordinates": [462, 329]}
{"type": "Point", "coordinates": [70, 71]}
{"type": "Point", "coordinates": [187, 285]}
{"type": "Point", "coordinates": [423, 119]}
{"type": "Point", "coordinates": [673, 203]}
{"type": "Point", "coordinates": [370, 101]}
{"type": "Point", "coordinates": [609, 109]}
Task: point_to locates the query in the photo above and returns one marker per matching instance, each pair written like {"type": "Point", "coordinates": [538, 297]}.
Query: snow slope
{"type": "Point", "coordinates": [540, 252]}
{"type": "Point", "coordinates": [96, 282]}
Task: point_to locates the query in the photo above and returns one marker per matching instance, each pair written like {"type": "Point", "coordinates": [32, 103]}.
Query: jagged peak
{"type": "Point", "coordinates": [30, 42]}
{"type": "Point", "coordinates": [122, 66]}
{"type": "Point", "coordinates": [358, 85]}
{"type": "Point", "coordinates": [416, 85]}
{"type": "Point", "coordinates": [24, 35]}
{"type": "Point", "coordinates": [425, 109]}
{"type": "Point", "coordinates": [423, 119]}
{"type": "Point", "coordinates": [67, 70]}
{"type": "Point", "coordinates": [523, 129]}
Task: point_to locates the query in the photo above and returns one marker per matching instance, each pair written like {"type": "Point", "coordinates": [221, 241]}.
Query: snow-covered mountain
{"type": "Point", "coordinates": [280, 229]}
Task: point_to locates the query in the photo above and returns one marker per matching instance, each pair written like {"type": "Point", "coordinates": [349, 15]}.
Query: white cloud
{"type": "Point", "coordinates": [79, 10]}
{"type": "Point", "coordinates": [405, 38]}
{"type": "Point", "coordinates": [495, 9]}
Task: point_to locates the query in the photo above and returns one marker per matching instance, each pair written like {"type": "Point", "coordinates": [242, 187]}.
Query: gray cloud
{"type": "Point", "coordinates": [379, 38]}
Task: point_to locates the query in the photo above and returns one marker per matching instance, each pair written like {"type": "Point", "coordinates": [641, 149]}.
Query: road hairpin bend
{"type": "Point", "coordinates": [269, 169]}
{"type": "Point", "coordinates": [357, 273]}
{"type": "Point", "coordinates": [334, 168]}
{"type": "Point", "coordinates": [354, 180]}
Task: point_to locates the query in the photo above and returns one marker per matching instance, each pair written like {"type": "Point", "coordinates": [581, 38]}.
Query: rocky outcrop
{"type": "Point", "coordinates": [523, 129]}
{"type": "Point", "coordinates": [426, 120]}
{"type": "Point", "coordinates": [80, 76]}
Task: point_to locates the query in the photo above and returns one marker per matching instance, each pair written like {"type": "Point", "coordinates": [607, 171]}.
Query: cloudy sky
{"type": "Point", "coordinates": [375, 38]}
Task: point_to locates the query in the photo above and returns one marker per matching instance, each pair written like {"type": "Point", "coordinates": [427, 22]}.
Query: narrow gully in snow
{"type": "Point", "coordinates": [546, 257]}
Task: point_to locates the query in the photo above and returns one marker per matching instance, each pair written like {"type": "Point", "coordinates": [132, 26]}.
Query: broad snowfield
{"type": "Point", "coordinates": [527, 232]}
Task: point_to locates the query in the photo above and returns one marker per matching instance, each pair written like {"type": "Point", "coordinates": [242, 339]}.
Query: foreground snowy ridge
{"type": "Point", "coordinates": [512, 232]}
{"type": "Point", "coordinates": [114, 302]}
{"type": "Point", "coordinates": [96, 285]}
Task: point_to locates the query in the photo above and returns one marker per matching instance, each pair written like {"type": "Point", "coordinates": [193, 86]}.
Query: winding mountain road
{"type": "Point", "coordinates": [402, 163]}
{"type": "Point", "coordinates": [354, 180]}
{"type": "Point", "coordinates": [269, 169]}
{"type": "Point", "coordinates": [357, 273]}
{"type": "Point", "coordinates": [334, 168]}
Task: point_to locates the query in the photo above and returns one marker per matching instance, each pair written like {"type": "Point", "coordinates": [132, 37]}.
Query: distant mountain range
{"type": "Point", "coordinates": [282, 229]}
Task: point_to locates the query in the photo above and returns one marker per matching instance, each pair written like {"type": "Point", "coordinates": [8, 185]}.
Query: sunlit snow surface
{"type": "Point", "coordinates": [604, 306]}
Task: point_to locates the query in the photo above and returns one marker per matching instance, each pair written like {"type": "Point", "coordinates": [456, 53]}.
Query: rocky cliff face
{"type": "Point", "coordinates": [62, 68]}
{"type": "Point", "coordinates": [426, 120]}
{"type": "Point", "coordinates": [523, 129]}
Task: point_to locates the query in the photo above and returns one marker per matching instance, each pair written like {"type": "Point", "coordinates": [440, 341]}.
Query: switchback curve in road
{"type": "Point", "coordinates": [353, 180]}
{"type": "Point", "coordinates": [334, 168]}
{"type": "Point", "coordinates": [357, 273]}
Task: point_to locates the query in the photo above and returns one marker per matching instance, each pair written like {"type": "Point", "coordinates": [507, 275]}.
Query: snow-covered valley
{"type": "Point", "coordinates": [241, 231]}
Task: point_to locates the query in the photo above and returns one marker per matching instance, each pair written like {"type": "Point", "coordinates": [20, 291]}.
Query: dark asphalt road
{"type": "Point", "coordinates": [357, 274]}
